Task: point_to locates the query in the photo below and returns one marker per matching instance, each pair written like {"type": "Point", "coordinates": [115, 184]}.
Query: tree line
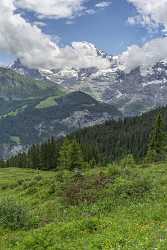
{"type": "Point", "coordinates": [143, 137]}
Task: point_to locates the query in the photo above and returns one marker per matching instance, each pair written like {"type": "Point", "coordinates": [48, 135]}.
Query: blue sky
{"type": "Point", "coordinates": [107, 28]}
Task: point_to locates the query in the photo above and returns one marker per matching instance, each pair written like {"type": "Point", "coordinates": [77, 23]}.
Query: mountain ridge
{"type": "Point", "coordinates": [132, 93]}
{"type": "Point", "coordinates": [42, 118]}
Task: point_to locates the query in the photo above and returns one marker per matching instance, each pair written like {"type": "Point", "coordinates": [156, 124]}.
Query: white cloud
{"type": "Point", "coordinates": [53, 8]}
{"type": "Point", "coordinates": [103, 4]}
{"type": "Point", "coordinates": [144, 57]}
{"type": "Point", "coordinates": [36, 49]}
{"type": "Point", "coordinates": [151, 14]}
{"type": "Point", "coordinates": [145, 21]}
{"type": "Point", "coordinates": [39, 24]}
{"type": "Point", "coordinates": [90, 12]}
{"type": "Point", "coordinates": [151, 11]}
{"type": "Point", "coordinates": [83, 54]}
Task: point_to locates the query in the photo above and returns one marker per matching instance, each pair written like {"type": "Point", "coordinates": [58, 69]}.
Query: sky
{"type": "Point", "coordinates": [58, 33]}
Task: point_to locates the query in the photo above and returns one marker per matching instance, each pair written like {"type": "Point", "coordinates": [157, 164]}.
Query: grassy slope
{"type": "Point", "coordinates": [108, 208]}
{"type": "Point", "coordinates": [38, 120]}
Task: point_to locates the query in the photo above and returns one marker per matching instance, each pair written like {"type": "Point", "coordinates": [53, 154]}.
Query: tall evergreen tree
{"type": "Point", "coordinates": [70, 155]}
{"type": "Point", "coordinates": [156, 148]}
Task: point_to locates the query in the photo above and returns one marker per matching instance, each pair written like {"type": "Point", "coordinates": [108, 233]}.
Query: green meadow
{"type": "Point", "coordinates": [119, 206]}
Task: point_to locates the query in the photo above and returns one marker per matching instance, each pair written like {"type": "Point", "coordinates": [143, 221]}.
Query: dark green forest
{"type": "Point", "coordinates": [99, 144]}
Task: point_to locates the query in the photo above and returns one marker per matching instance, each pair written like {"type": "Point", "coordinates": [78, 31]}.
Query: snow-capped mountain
{"type": "Point", "coordinates": [131, 93]}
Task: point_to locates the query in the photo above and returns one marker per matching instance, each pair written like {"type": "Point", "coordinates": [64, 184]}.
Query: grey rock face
{"type": "Point", "coordinates": [132, 93]}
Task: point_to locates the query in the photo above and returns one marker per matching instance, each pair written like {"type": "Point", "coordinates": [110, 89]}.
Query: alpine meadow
{"type": "Point", "coordinates": [83, 125]}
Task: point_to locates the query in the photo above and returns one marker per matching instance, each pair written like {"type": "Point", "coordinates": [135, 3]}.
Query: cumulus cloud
{"type": "Point", "coordinates": [152, 14]}
{"type": "Point", "coordinates": [103, 4]}
{"type": "Point", "coordinates": [145, 56]}
{"type": "Point", "coordinates": [145, 21]}
{"type": "Point", "coordinates": [52, 8]}
{"type": "Point", "coordinates": [59, 8]}
{"type": "Point", "coordinates": [151, 11]}
{"type": "Point", "coordinates": [83, 54]}
{"type": "Point", "coordinates": [38, 50]}
{"type": "Point", "coordinates": [22, 39]}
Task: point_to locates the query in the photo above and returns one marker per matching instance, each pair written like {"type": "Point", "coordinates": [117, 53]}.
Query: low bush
{"type": "Point", "coordinates": [13, 215]}
{"type": "Point", "coordinates": [90, 225]}
{"type": "Point", "coordinates": [52, 189]}
{"type": "Point", "coordinates": [38, 178]}
{"type": "Point", "coordinates": [4, 186]}
{"type": "Point", "coordinates": [135, 188]}
{"type": "Point", "coordinates": [128, 161]}
{"type": "Point", "coordinates": [114, 170]}
{"type": "Point", "coordinates": [85, 189]}
{"type": "Point", "coordinates": [28, 184]}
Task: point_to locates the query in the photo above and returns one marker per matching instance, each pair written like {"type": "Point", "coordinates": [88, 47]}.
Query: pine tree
{"type": "Point", "coordinates": [64, 155]}
{"type": "Point", "coordinates": [70, 156]}
{"type": "Point", "coordinates": [76, 156]}
{"type": "Point", "coordinates": [156, 149]}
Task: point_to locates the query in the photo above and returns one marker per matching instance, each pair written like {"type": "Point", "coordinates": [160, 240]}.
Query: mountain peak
{"type": "Point", "coordinates": [23, 70]}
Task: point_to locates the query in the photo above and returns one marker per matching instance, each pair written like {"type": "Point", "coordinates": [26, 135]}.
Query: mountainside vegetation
{"type": "Point", "coordinates": [14, 86]}
{"type": "Point", "coordinates": [36, 120]}
{"type": "Point", "coordinates": [106, 185]}
{"type": "Point", "coordinates": [88, 200]}
{"type": "Point", "coordinates": [104, 143]}
{"type": "Point", "coordinates": [120, 206]}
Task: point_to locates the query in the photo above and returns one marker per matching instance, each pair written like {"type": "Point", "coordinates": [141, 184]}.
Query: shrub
{"type": "Point", "coordinates": [90, 224]}
{"type": "Point", "coordinates": [37, 178]}
{"type": "Point", "coordinates": [85, 189]}
{"type": "Point", "coordinates": [128, 161]}
{"type": "Point", "coordinates": [13, 215]}
{"type": "Point", "coordinates": [20, 182]}
{"type": "Point", "coordinates": [79, 192]}
{"type": "Point", "coordinates": [28, 184]}
{"type": "Point", "coordinates": [114, 170]}
{"type": "Point", "coordinates": [31, 190]}
{"type": "Point", "coordinates": [59, 176]}
{"type": "Point", "coordinates": [4, 186]}
{"type": "Point", "coordinates": [52, 189]}
{"type": "Point", "coordinates": [135, 188]}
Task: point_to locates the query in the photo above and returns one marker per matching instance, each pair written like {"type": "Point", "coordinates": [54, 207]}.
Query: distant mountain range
{"type": "Point", "coordinates": [38, 103]}
{"type": "Point", "coordinates": [132, 93]}
{"type": "Point", "coordinates": [34, 109]}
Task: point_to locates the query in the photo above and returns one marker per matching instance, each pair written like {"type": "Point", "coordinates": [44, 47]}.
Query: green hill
{"type": "Point", "coordinates": [114, 207]}
{"type": "Point", "coordinates": [36, 120]}
{"type": "Point", "coordinates": [17, 92]}
{"type": "Point", "coordinates": [14, 86]}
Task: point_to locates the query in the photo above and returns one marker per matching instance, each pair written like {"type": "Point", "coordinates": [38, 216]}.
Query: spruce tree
{"type": "Point", "coordinates": [70, 156]}
{"type": "Point", "coordinates": [156, 148]}
{"type": "Point", "coordinates": [64, 155]}
{"type": "Point", "coordinates": [76, 156]}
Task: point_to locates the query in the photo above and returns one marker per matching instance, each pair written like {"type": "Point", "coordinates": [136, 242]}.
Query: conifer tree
{"type": "Point", "coordinates": [76, 156]}
{"type": "Point", "coordinates": [70, 156]}
{"type": "Point", "coordinates": [156, 149]}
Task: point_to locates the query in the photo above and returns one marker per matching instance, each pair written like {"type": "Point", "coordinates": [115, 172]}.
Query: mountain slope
{"type": "Point", "coordinates": [133, 93]}
{"type": "Point", "coordinates": [48, 117]}
{"type": "Point", "coordinates": [107, 208]}
{"type": "Point", "coordinates": [18, 91]}
{"type": "Point", "coordinates": [15, 86]}
{"type": "Point", "coordinates": [100, 144]}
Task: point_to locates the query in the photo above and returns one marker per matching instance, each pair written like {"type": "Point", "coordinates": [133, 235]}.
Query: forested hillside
{"type": "Point", "coordinates": [99, 144]}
